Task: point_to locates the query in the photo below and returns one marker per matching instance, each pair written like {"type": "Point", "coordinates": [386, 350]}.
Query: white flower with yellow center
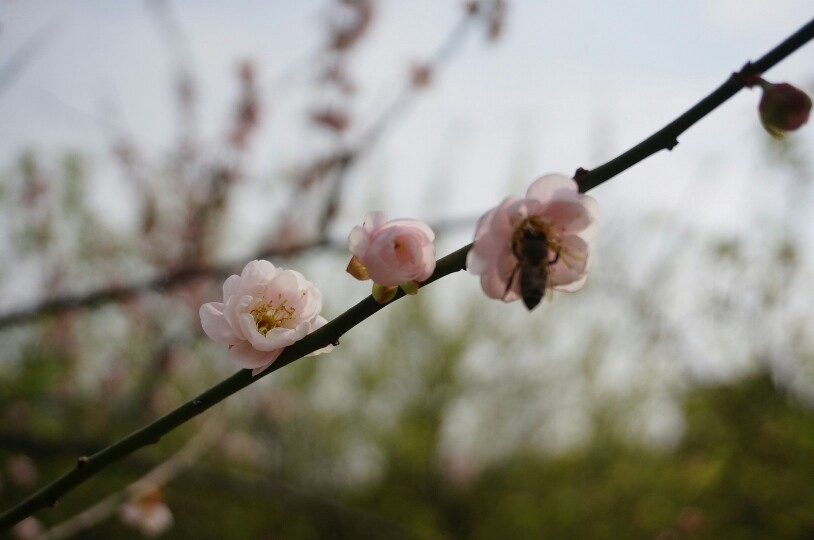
{"type": "Point", "coordinates": [264, 310]}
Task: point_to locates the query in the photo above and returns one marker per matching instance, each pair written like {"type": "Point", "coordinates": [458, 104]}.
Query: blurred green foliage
{"type": "Point", "coordinates": [741, 470]}
{"type": "Point", "coordinates": [652, 405]}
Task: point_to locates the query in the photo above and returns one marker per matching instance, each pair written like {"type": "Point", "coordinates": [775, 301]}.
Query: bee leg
{"type": "Point", "coordinates": [511, 280]}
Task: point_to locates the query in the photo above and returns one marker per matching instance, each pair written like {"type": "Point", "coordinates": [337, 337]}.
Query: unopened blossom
{"type": "Point", "coordinates": [554, 211]}
{"type": "Point", "coordinates": [147, 513]}
{"type": "Point", "coordinates": [264, 310]}
{"type": "Point", "coordinates": [392, 253]}
{"type": "Point", "coordinates": [783, 108]}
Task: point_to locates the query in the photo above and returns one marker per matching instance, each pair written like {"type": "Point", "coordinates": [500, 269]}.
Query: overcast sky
{"type": "Point", "coordinates": [571, 84]}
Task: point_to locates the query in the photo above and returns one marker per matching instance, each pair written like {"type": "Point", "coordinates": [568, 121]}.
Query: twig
{"type": "Point", "coordinates": [26, 53]}
{"type": "Point", "coordinates": [118, 294]}
{"type": "Point", "coordinates": [156, 478]}
{"type": "Point", "coordinates": [667, 137]}
{"type": "Point", "coordinates": [176, 278]}
{"type": "Point", "coordinates": [345, 160]}
{"type": "Point", "coordinates": [331, 332]}
{"type": "Point", "coordinates": [341, 162]}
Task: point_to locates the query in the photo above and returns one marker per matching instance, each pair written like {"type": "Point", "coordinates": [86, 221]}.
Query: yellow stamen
{"type": "Point", "coordinates": [268, 316]}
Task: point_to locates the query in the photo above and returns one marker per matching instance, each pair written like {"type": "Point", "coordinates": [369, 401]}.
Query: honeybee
{"type": "Point", "coordinates": [530, 246]}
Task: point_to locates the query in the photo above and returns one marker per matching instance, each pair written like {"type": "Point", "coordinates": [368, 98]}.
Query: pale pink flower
{"type": "Point", "coordinates": [147, 513]}
{"type": "Point", "coordinates": [392, 253]}
{"type": "Point", "coordinates": [28, 529]}
{"type": "Point", "coordinates": [264, 310]}
{"type": "Point", "coordinates": [553, 208]}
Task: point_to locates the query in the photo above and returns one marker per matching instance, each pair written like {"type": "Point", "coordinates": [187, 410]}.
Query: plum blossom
{"type": "Point", "coordinates": [554, 210]}
{"type": "Point", "coordinates": [391, 253]}
{"type": "Point", "coordinates": [264, 310]}
{"type": "Point", "coordinates": [147, 513]}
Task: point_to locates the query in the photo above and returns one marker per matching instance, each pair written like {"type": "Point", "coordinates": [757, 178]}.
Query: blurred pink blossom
{"type": "Point", "coordinates": [391, 253]}
{"type": "Point", "coordinates": [28, 529]}
{"type": "Point", "coordinates": [264, 310]}
{"type": "Point", "coordinates": [22, 470]}
{"type": "Point", "coordinates": [147, 513]}
{"type": "Point", "coordinates": [553, 207]}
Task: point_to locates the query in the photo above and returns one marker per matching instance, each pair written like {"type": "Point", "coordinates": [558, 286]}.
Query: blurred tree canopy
{"type": "Point", "coordinates": [670, 399]}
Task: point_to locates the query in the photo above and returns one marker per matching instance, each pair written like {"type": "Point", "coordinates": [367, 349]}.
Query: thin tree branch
{"type": "Point", "coordinates": [177, 278]}
{"type": "Point", "coordinates": [156, 478]}
{"type": "Point", "coordinates": [331, 332]}
{"type": "Point", "coordinates": [126, 292]}
{"type": "Point", "coordinates": [342, 163]}
{"type": "Point", "coordinates": [11, 70]}
{"type": "Point", "coordinates": [667, 137]}
{"type": "Point", "coordinates": [346, 160]}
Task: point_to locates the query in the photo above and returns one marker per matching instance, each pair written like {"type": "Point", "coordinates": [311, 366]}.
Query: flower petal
{"type": "Point", "coordinates": [231, 286]}
{"type": "Point", "coordinates": [215, 324]}
{"type": "Point", "coordinates": [358, 241]}
{"type": "Point", "coordinates": [247, 357]}
{"type": "Point", "coordinates": [374, 220]}
{"type": "Point", "coordinates": [551, 186]}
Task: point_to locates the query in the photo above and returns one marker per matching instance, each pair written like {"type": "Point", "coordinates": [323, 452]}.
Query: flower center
{"type": "Point", "coordinates": [401, 250]}
{"type": "Point", "coordinates": [267, 315]}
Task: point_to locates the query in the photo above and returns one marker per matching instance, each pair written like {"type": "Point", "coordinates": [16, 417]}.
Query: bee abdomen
{"type": "Point", "coordinates": [532, 287]}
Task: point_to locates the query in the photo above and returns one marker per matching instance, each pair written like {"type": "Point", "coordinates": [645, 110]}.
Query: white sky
{"type": "Point", "coordinates": [571, 84]}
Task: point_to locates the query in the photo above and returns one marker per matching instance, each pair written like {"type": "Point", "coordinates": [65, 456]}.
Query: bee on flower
{"type": "Point", "coordinates": [527, 247]}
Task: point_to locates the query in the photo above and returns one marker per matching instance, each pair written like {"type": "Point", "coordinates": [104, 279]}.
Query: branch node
{"type": "Point", "coordinates": [581, 173]}
{"type": "Point", "coordinates": [671, 144]}
{"type": "Point", "coordinates": [197, 403]}
{"type": "Point", "coordinates": [53, 503]}
{"type": "Point", "coordinates": [335, 343]}
{"type": "Point", "coordinates": [748, 76]}
{"type": "Point", "coordinates": [81, 462]}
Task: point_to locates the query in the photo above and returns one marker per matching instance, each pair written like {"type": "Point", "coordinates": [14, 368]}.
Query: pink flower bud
{"type": "Point", "coordinates": [264, 310]}
{"type": "Point", "coordinates": [392, 252]}
{"type": "Point", "coordinates": [783, 108]}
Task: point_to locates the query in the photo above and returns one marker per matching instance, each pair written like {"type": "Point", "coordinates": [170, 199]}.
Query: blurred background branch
{"type": "Point", "coordinates": [680, 404]}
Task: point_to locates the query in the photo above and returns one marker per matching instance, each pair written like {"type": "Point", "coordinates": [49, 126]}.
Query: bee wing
{"type": "Point", "coordinates": [549, 290]}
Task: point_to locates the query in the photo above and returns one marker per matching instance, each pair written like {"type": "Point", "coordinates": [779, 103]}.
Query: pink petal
{"type": "Point", "coordinates": [282, 285]}
{"type": "Point", "coordinates": [567, 217]}
{"type": "Point", "coordinates": [230, 287]}
{"type": "Point", "coordinates": [318, 323]}
{"type": "Point", "coordinates": [374, 220]}
{"type": "Point", "coordinates": [358, 241]}
{"type": "Point", "coordinates": [572, 265]}
{"type": "Point", "coordinates": [589, 233]}
{"type": "Point", "coordinates": [256, 274]}
{"type": "Point", "coordinates": [550, 186]}
{"type": "Point", "coordinates": [215, 324]}
{"type": "Point", "coordinates": [247, 357]}
{"type": "Point", "coordinates": [412, 225]}
{"type": "Point", "coordinates": [232, 310]}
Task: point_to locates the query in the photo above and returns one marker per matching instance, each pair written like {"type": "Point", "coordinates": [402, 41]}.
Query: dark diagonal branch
{"type": "Point", "coordinates": [331, 332]}
{"type": "Point", "coordinates": [667, 137]}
